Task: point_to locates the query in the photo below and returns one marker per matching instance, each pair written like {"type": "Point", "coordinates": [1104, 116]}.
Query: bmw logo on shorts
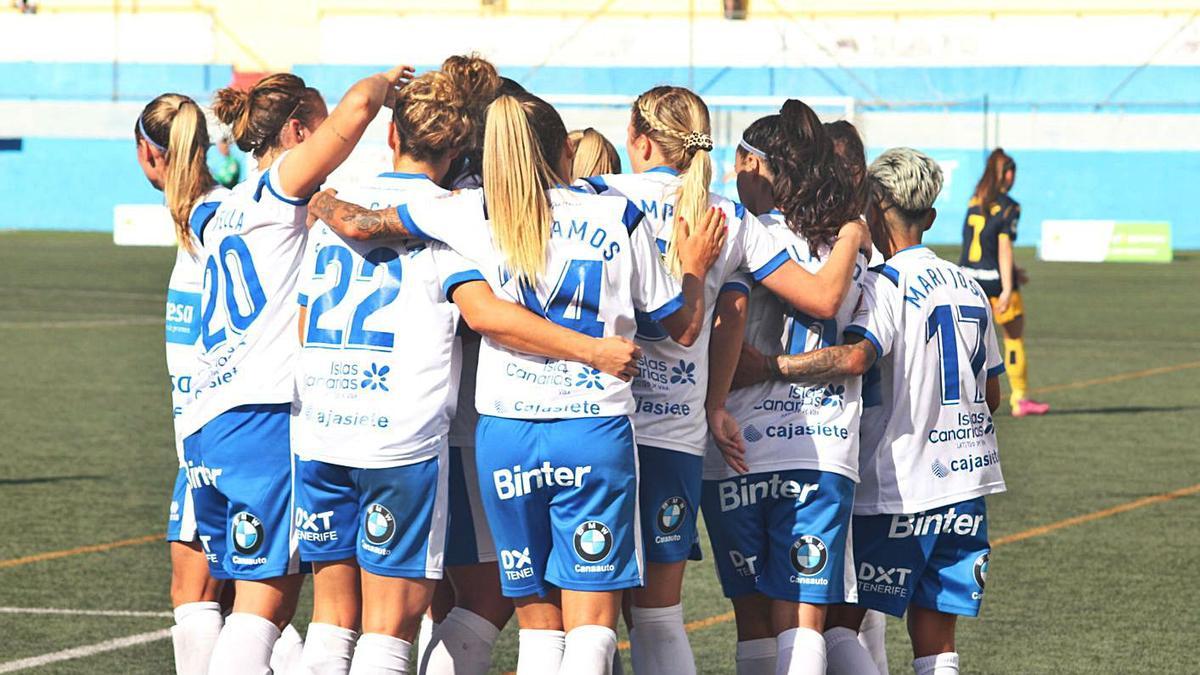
{"type": "Point", "coordinates": [981, 565]}
{"type": "Point", "coordinates": [671, 515]}
{"type": "Point", "coordinates": [593, 541]}
{"type": "Point", "coordinates": [379, 525]}
{"type": "Point", "coordinates": [247, 533]}
{"type": "Point", "coordinates": [809, 555]}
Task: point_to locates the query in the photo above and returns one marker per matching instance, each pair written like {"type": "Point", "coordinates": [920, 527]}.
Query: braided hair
{"type": "Point", "coordinates": [676, 120]}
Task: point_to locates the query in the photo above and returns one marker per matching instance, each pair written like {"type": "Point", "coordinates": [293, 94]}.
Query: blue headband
{"type": "Point", "coordinates": [142, 131]}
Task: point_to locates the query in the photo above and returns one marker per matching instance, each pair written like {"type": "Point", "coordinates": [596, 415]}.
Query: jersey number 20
{"type": "Point", "coordinates": [243, 295]}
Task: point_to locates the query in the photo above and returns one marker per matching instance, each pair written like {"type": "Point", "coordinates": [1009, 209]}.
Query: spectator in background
{"type": "Point", "coordinates": [25, 6]}
{"type": "Point", "coordinates": [228, 170]}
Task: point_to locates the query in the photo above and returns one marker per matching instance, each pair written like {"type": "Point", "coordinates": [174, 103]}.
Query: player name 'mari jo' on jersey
{"type": "Point", "coordinates": [252, 247]}
{"type": "Point", "coordinates": [672, 379]}
{"type": "Point", "coordinates": [600, 258]}
{"type": "Point", "coordinates": [802, 425]}
{"type": "Point", "coordinates": [378, 373]}
{"type": "Point", "coordinates": [933, 331]}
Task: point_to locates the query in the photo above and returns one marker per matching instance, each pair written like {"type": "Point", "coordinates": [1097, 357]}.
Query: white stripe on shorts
{"type": "Point", "coordinates": [435, 546]}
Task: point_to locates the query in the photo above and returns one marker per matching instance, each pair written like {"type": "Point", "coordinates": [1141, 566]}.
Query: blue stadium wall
{"type": "Point", "coordinates": [65, 182]}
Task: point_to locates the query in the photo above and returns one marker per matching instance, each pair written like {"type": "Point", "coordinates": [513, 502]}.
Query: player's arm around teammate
{"type": "Point", "coordinates": [556, 457]}
{"type": "Point", "coordinates": [236, 423]}
{"type": "Point", "coordinates": [172, 139]}
{"type": "Point", "coordinates": [781, 552]}
{"type": "Point", "coordinates": [936, 573]}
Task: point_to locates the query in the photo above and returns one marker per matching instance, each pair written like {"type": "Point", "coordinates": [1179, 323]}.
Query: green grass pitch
{"type": "Point", "coordinates": [86, 458]}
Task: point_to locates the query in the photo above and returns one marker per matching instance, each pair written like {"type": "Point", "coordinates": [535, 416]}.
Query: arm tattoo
{"type": "Point", "coordinates": [821, 364]}
{"type": "Point", "coordinates": [355, 221]}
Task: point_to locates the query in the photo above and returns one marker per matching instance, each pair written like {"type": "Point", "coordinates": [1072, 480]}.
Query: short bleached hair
{"type": "Point", "coordinates": [908, 178]}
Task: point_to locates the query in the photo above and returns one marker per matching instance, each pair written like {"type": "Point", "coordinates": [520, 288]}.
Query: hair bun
{"type": "Point", "coordinates": [698, 141]}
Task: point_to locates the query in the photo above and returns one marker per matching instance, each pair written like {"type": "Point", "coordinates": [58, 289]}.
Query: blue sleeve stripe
{"type": "Point", "coordinates": [410, 224]}
{"type": "Point", "coordinates": [890, 273]}
{"type": "Point", "coordinates": [597, 184]}
{"type": "Point", "coordinates": [632, 216]}
{"type": "Point", "coordinates": [302, 300]}
{"type": "Point", "coordinates": [265, 181]}
{"type": "Point", "coordinates": [859, 330]}
{"type": "Point", "coordinates": [739, 210]}
{"type": "Point", "coordinates": [459, 278]}
{"type": "Point", "coordinates": [672, 306]}
{"type": "Point", "coordinates": [200, 217]}
{"type": "Point", "coordinates": [735, 287]}
{"type": "Point", "coordinates": [996, 370]}
{"type": "Point", "coordinates": [772, 265]}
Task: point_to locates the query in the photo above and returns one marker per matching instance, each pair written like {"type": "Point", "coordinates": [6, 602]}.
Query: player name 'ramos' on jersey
{"type": "Point", "coordinates": [932, 329]}
{"type": "Point", "coordinates": [601, 266]}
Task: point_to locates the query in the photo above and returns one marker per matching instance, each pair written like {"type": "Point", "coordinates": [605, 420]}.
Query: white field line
{"type": "Point", "coordinates": [85, 612]}
{"type": "Point", "coordinates": [84, 651]}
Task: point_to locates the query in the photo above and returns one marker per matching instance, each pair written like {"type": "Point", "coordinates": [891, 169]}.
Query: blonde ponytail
{"type": "Point", "coordinates": [594, 155]}
{"type": "Point", "coordinates": [521, 138]}
{"type": "Point", "coordinates": [676, 119]}
{"type": "Point", "coordinates": [175, 122]}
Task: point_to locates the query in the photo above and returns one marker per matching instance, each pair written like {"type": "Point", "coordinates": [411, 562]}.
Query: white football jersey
{"type": "Point", "coordinates": [672, 380]}
{"type": "Point", "coordinates": [932, 327]}
{"type": "Point", "coordinates": [601, 266]}
{"type": "Point", "coordinates": [809, 425]}
{"type": "Point", "coordinates": [376, 379]}
{"type": "Point", "coordinates": [252, 248]}
{"type": "Point", "coordinates": [183, 308]}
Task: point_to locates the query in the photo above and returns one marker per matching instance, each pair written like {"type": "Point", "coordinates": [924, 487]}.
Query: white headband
{"type": "Point", "coordinates": [751, 149]}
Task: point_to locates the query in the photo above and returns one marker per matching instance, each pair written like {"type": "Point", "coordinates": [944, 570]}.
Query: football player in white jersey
{"type": "Point", "coordinates": [778, 506]}
{"type": "Point", "coordinates": [235, 423]}
{"type": "Point", "coordinates": [668, 144]}
{"type": "Point", "coordinates": [468, 609]}
{"type": "Point", "coordinates": [557, 464]}
{"type": "Point", "coordinates": [848, 145]}
{"type": "Point", "coordinates": [172, 139]}
{"type": "Point", "coordinates": [920, 520]}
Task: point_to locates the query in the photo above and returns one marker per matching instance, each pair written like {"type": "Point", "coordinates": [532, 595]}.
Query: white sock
{"type": "Point", "coordinates": [287, 652]}
{"type": "Point", "coordinates": [425, 641]}
{"type": "Point", "coordinates": [945, 663]}
{"type": "Point", "coordinates": [462, 645]}
{"type": "Point", "coordinates": [379, 654]}
{"type": "Point", "coordinates": [197, 625]}
{"type": "Point", "coordinates": [589, 650]}
{"type": "Point", "coordinates": [845, 655]}
{"type": "Point", "coordinates": [757, 657]}
{"type": "Point", "coordinates": [539, 651]}
{"type": "Point", "coordinates": [244, 646]}
{"type": "Point", "coordinates": [659, 644]}
{"type": "Point", "coordinates": [328, 650]}
{"type": "Point", "coordinates": [801, 652]}
{"type": "Point", "coordinates": [871, 635]}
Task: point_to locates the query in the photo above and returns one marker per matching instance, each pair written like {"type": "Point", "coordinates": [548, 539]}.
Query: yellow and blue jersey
{"type": "Point", "coordinates": [981, 240]}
